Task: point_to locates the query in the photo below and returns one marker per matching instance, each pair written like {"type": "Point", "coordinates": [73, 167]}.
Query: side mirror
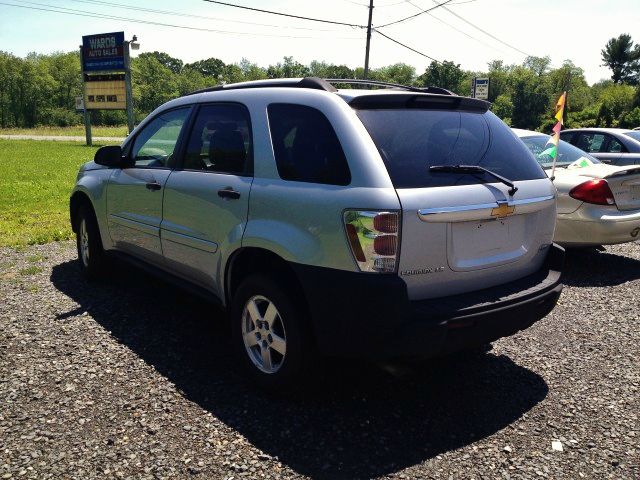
{"type": "Point", "coordinates": [110, 156]}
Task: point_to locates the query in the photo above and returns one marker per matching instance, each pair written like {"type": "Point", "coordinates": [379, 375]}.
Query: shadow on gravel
{"type": "Point", "coordinates": [353, 421]}
{"type": "Point", "coordinates": [591, 268]}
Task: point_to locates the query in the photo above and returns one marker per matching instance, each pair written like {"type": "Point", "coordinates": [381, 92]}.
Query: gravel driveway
{"type": "Point", "coordinates": [133, 379]}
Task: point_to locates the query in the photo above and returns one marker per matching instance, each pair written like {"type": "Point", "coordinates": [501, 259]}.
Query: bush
{"type": "Point", "coordinates": [60, 117]}
{"type": "Point", "coordinates": [631, 119]}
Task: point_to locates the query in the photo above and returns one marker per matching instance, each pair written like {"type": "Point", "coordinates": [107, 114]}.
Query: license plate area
{"type": "Point", "coordinates": [483, 244]}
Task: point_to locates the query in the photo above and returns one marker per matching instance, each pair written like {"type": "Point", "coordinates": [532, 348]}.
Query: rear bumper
{"type": "Point", "coordinates": [368, 315]}
{"type": "Point", "coordinates": [594, 225]}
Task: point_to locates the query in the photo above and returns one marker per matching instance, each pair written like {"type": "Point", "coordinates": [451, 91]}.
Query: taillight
{"type": "Point", "coordinates": [373, 238]}
{"type": "Point", "coordinates": [593, 191]}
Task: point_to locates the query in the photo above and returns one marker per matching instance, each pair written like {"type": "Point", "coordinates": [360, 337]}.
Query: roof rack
{"type": "Point", "coordinates": [360, 81]}
{"type": "Point", "coordinates": [306, 82]}
{"type": "Point", "coordinates": [319, 84]}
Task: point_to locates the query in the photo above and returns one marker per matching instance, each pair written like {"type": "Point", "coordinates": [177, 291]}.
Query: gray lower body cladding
{"type": "Point", "coordinates": [371, 316]}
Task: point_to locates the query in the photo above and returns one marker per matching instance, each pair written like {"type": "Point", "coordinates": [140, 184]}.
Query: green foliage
{"type": "Point", "coordinates": [447, 75]}
{"type": "Point", "coordinates": [173, 64]}
{"type": "Point", "coordinates": [503, 108]}
{"type": "Point", "coordinates": [40, 89]}
{"type": "Point", "coordinates": [630, 119]}
{"type": "Point", "coordinates": [623, 58]}
{"type": "Point", "coordinates": [529, 96]}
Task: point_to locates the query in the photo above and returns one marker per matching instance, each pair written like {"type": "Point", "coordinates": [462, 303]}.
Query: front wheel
{"type": "Point", "coordinates": [90, 251]}
{"type": "Point", "coordinates": [269, 332]}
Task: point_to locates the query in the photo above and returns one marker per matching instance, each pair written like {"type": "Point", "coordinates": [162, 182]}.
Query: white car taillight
{"type": "Point", "coordinates": [373, 238]}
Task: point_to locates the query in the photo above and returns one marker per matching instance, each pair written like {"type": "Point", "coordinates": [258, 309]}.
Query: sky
{"type": "Point", "coordinates": [562, 29]}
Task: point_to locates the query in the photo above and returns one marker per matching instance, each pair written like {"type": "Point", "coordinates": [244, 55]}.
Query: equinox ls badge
{"type": "Point", "coordinates": [422, 271]}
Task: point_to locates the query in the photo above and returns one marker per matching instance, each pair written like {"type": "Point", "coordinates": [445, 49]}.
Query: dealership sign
{"type": "Point", "coordinates": [480, 88]}
{"type": "Point", "coordinates": [103, 52]}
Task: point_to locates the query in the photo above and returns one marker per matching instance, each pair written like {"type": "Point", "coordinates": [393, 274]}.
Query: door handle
{"type": "Point", "coordinates": [228, 193]}
{"type": "Point", "coordinates": [154, 186]}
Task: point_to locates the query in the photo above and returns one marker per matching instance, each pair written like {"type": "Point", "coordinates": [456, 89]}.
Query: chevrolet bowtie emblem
{"type": "Point", "coordinates": [502, 210]}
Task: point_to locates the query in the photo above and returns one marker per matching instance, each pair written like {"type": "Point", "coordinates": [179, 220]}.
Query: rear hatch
{"type": "Point", "coordinates": [623, 181]}
{"type": "Point", "coordinates": [460, 231]}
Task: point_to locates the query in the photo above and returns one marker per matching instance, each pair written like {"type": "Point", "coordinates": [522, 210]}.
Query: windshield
{"type": "Point", "coordinates": [635, 134]}
{"type": "Point", "coordinates": [411, 140]}
{"type": "Point", "coordinates": [567, 153]}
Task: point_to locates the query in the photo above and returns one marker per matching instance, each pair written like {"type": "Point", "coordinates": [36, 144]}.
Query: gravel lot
{"type": "Point", "coordinates": [133, 379]}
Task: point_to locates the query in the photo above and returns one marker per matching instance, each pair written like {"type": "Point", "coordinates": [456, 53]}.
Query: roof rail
{"type": "Point", "coordinates": [306, 82]}
{"type": "Point", "coordinates": [361, 81]}
{"type": "Point", "coordinates": [319, 84]}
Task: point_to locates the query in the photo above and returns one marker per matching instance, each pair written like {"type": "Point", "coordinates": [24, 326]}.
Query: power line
{"type": "Point", "coordinates": [483, 31]}
{"type": "Point", "coordinates": [417, 14]}
{"type": "Point", "coordinates": [82, 13]}
{"type": "Point", "coordinates": [282, 14]}
{"type": "Point", "coordinates": [405, 46]}
{"type": "Point", "coordinates": [456, 28]}
{"type": "Point", "coordinates": [203, 17]}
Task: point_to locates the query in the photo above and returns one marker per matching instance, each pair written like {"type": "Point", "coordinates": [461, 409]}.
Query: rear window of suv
{"type": "Point", "coordinates": [306, 146]}
{"type": "Point", "coordinates": [412, 140]}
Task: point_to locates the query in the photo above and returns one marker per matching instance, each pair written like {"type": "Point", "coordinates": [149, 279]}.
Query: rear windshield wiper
{"type": "Point", "coordinates": [473, 169]}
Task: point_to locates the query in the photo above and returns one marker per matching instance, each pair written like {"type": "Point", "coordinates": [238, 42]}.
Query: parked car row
{"type": "Point", "coordinates": [598, 204]}
{"type": "Point", "coordinates": [397, 222]}
{"type": "Point", "coordinates": [616, 146]}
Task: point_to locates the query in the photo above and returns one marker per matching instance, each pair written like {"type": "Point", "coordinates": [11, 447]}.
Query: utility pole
{"type": "Point", "coordinates": [366, 55]}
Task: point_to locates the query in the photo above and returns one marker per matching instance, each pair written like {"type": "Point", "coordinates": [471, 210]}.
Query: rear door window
{"type": "Point", "coordinates": [614, 146]}
{"type": "Point", "coordinates": [591, 142]}
{"type": "Point", "coordinates": [220, 140]}
{"type": "Point", "coordinates": [412, 140]}
{"type": "Point", "coordinates": [305, 146]}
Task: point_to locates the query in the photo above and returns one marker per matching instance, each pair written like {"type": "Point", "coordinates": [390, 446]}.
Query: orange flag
{"type": "Point", "coordinates": [560, 107]}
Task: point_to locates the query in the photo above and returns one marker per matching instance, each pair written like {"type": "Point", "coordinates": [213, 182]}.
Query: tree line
{"type": "Point", "coordinates": [41, 89]}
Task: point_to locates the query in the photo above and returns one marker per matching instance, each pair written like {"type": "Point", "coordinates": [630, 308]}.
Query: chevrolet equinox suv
{"type": "Point", "coordinates": [394, 222]}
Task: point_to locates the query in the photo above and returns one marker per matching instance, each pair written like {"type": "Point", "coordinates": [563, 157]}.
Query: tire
{"type": "Point", "coordinates": [269, 334]}
{"type": "Point", "coordinates": [91, 255]}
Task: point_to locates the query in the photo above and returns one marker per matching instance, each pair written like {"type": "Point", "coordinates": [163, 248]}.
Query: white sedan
{"type": "Point", "coordinates": [598, 204]}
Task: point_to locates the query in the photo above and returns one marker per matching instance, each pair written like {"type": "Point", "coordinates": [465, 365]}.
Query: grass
{"type": "Point", "coordinates": [31, 270]}
{"type": "Point", "coordinates": [77, 131]}
{"type": "Point", "coordinates": [36, 178]}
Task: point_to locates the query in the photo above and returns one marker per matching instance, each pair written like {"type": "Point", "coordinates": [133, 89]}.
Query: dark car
{"type": "Point", "coordinates": [617, 146]}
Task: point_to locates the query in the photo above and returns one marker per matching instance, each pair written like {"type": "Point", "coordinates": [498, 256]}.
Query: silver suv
{"type": "Point", "coordinates": [395, 222]}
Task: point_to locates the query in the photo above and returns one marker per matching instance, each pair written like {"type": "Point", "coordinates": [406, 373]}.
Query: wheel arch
{"type": "Point", "coordinates": [248, 260]}
{"type": "Point", "coordinates": [78, 199]}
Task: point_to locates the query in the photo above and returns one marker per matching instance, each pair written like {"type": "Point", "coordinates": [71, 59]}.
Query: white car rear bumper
{"type": "Point", "coordinates": [597, 225]}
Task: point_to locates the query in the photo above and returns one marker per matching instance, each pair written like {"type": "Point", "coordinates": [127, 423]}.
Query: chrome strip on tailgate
{"type": "Point", "coordinates": [483, 211]}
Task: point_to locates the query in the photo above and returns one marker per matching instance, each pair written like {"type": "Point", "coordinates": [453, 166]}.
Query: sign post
{"type": "Point", "coordinates": [85, 112]}
{"type": "Point", "coordinates": [127, 86]}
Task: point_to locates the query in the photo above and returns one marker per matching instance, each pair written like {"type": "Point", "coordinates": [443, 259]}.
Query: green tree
{"type": "Point", "coordinates": [529, 97]}
{"type": "Point", "coordinates": [498, 79]}
{"type": "Point", "coordinates": [622, 57]}
{"type": "Point", "coordinates": [173, 64]}
{"type": "Point", "coordinates": [329, 70]}
{"type": "Point", "coordinates": [400, 73]}
{"type": "Point", "coordinates": [211, 67]}
{"type": "Point", "coordinates": [615, 101]}
{"type": "Point", "coordinates": [503, 108]}
{"type": "Point", "coordinates": [447, 75]}
{"type": "Point", "coordinates": [251, 71]}
{"type": "Point", "coordinates": [539, 65]}
{"type": "Point", "coordinates": [153, 84]}
{"type": "Point", "coordinates": [289, 68]}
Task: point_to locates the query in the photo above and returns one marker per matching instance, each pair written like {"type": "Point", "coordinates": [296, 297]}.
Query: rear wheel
{"type": "Point", "coordinates": [269, 333]}
{"type": "Point", "coordinates": [90, 252]}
